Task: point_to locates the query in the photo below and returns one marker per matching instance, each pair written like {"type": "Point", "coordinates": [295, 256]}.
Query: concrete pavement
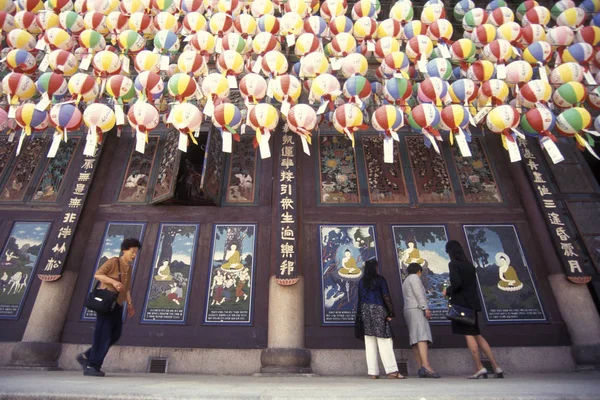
{"type": "Point", "coordinates": [50, 385]}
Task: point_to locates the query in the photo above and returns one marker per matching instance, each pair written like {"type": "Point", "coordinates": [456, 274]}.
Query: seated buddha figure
{"type": "Point", "coordinates": [233, 258]}
{"type": "Point", "coordinates": [349, 265]}
{"type": "Point", "coordinates": [164, 272]}
{"type": "Point", "coordinates": [412, 254]}
{"type": "Point", "coordinates": [509, 281]}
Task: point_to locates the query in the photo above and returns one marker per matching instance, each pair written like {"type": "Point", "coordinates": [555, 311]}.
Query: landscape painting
{"type": "Point", "coordinates": [114, 235]}
{"type": "Point", "coordinates": [170, 278]}
{"type": "Point", "coordinates": [344, 250]}
{"type": "Point", "coordinates": [17, 264]}
{"type": "Point", "coordinates": [229, 298]}
{"type": "Point", "coordinates": [504, 277]}
{"type": "Point", "coordinates": [425, 245]}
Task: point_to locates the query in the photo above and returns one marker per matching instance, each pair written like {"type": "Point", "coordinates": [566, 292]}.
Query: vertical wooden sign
{"type": "Point", "coordinates": [286, 227]}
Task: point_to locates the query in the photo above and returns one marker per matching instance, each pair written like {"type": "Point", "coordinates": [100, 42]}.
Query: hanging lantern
{"type": "Point", "coordinates": [439, 68]}
{"type": "Point", "coordinates": [575, 122]}
{"type": "Point", "coordinates": [268, 23]}
{"type": "Point", "coordinates": [481, 71]}
{"type": "Point", "coordinates": [63, 62]}
{"type": "Point", "coordinates": [503, 120]}
{"type": "Point", "coordinates": [533, 92]}
{"type": "Point", "coordinates": [539, 122]}
{"type": "Point", "coordinates": [388, 120]}
{"type": "Point", "coordinates": [365, 32]}
{"type": "Point", "coordinates": [302, 120]}
{"type": "Point", "coordinates": [192, 62]}
{"type": "Point", "coordinates": [463, 91]}
{"type": "Point", "coordinates": [324, 89]}
{"type": "Point", "coordinates": [425, 117]}
{"type": "Point", "coordinates": [570, 94]}
{"type": "Point", "coordinates": [432, 90]}
{"type": "Point", "coordinates": [147, 60]}
{"type": "Point", "coordinates": [17, 87]}
{"type": "Point", "coordinates": [402, 11]}
{"type": "Point", "coordinates": [573, 18]}
{"type": "Point", "coordinates": [493, 92]}
{"type": "Point", "coordinates": [354, 64]}
{"type": "Point", "coordinates": [52, 87]}
{"type": "Point", "coordinates": [65, 117]}
{"type": "Point", "coordinates": [204, 42]}
{"type": "Point", "coordinates": [567, 72]}
{"type": "Point", "coordinates": [29, 118]}
{"type": "Point", "coordinates": [21, 61]}
{"type": "Point", "coordinates": [287, 90]}
{"type": "Point", "coordinates": [148, 86]}
{"type": "Point", "coordinates": [473, 18]}
{"type": "Point", "coordinates": [455, 119]}
{"type": "Point", "coordinates": [357, 89]}
{"type": "Point", "coordinates": [215, 88]}
{"type": "Point", "coordinates": [227, 118]}
{"type": "Point", "coordinates": [538, 15]}
{"type": "Point", "coordinates": [143, 117]}
{"type": "Point", "coordinates": [390, 28]}
{"type": "Point", "coordinates": [231, 64]}
{"type": "Point", "coordinates": [347, 119]}
{"type": "Point", "coordinates": [187, 119]}
{"type": "Point", "coordinates": [182, 87]}
{"type": "Point", "coordinates": [397, 91]}
{"type": "Point", "coordinates": [263, 118]}
{"type": "Point", "coordinates": [253, 89]}
{"type": "Point", "coordinates": [83, 87]}
{"type": "Point", "coordinates": [20, 39]}
{"type": "Point", "coordinates": [500, 16]}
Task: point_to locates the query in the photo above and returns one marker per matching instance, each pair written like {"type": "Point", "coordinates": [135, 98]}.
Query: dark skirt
{"type": "Point", "coordinates": [464, 329]}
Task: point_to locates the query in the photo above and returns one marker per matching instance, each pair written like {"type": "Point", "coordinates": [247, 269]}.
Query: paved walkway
{"type": "Point", "coordinates": [16, 384]}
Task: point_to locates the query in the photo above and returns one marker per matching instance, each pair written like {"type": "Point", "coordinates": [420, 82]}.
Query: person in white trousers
{"type": "Point", "coordinates": [374, 313]}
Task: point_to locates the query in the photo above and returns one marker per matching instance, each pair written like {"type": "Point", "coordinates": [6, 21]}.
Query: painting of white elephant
{"type": "Point", "coordinates": [17, 264]}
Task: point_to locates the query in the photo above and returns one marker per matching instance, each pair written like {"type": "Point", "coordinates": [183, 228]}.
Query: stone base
{"type": "Point", "coordinates": [285, 361]}
{"type": "Point", "coordinates": [35, 355]}
{"type": "Point", "coordinates": [586, 354]}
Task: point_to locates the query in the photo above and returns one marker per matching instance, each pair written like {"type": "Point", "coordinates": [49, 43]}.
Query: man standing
{"type": "Point", "coordinates": [114, 275]}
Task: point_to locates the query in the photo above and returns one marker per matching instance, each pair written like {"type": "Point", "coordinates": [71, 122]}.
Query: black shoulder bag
{"type": "Point", "coordinates": [102, 300]}
{"type": "Point", "coordinates": [462, 315]}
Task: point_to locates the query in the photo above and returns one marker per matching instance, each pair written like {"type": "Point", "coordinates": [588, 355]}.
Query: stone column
{"type": "Point", "coordinates": [286, 352]}
{"type": "Point", "coordinates": [40, 346]}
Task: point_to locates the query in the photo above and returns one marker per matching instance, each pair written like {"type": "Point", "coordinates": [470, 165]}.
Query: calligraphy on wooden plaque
{"type": "Point", "coordinates": [385, 181]}
{"type": "Point", "coordinates": [571, 251]}
{"type": "Point", "coordinates": [286, 228]}
{"type": "Point", "coordinates": [429, 171]}
{"type": "Point", "coordinates": [53, 264]}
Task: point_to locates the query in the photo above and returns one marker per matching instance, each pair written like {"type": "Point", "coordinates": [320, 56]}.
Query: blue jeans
{"type": "Point", "coordinates": [106, 333]}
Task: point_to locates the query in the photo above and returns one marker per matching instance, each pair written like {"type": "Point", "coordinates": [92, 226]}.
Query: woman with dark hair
{"type": "Point", "coordinates": [416, 314]}
{"type": "Point", "coordinates": [375, 311]}
{"type": "Point", "coordinates": [463, 292]}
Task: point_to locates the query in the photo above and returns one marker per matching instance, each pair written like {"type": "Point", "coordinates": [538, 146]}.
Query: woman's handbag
{"type": "Point", "coordinates": [102, 300]}
{"type": "Point", "coordinates": [462, 315]}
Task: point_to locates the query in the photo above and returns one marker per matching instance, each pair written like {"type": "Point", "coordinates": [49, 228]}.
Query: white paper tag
{"type": "Point", "coordinates": [43, 103]}
{"type": "Point", "coordinates": [290, 40]}
{"type": "Point", "coordinates": [543, 73]}
{"type": "Point", "coordinates": [188, 38]}
{"type": "Point", "coordinates": [591, 150]}
{"type": "Point", "coordinates": [232, 82]}
{"type": "Point", "coordinates": [501, 71]}
{"type": "Point", "coordinates": [270, 88]}
{"type": "Point", "coordinates": [140, 142]}
{"type": "Point", "coordinates": [305, 146]}
{"type": "Point", "coordinates": [336, 63]}
{"type": "Point", "coordinates": [12, 112]}
{"type": "Point", "coordinates": [322, 108]}
{"type": "Point", "coordinates": [44, 63]}
{"type": "Point", "coordinates": [552, 149]}
{"type": "Point", "coordinates": [219, 45]}
{"type": "Point", "coordinates": [422, 65]}
{"type": "Point", "coordinates": [481, 114]}
{"type": "Point", "coordinates": [513, 150]}
{"type": "Point", "coordinates": [90, 143]}
{"type": "Point", "coordinates": [119, 114]}
{"type": "Point", "coordinates": [125, 64]}
{"type": "Point", "coordinates": [589, 78]}
{"type": "Point", "coordinates": [461, 141]}
{"type": "Point", "coordinates": [21, 140]}
{"type": "Point", "coordinates": [370, 45]}
{"type": "Point", "coordinates": [183, 141]}
{"type": "Point", "coordinates": [55, 145]}
{"type": "Point", "coordinates": [285, 107]}
{"type": "Point", "coordinates": [170, 117]}
{"type": "Point", "coordinates": [444, 50]}
{"type": "Point", "coordinates": [209, 108]}
{"type": "Point", "coordinates": [516, 52]}
{"type": "Point", "coordinates": [256, 68]}
{"type": "Point", "coordinates": [11, 137]}
{"type": "Point", "coordinates": [227, 141]}
{"type": "Point", "coordinates": [86, 62]}
{"type": "Point", "coordinates": [243, 129]}
{"type": "Point", "coordinates": [471, 119]}
{"type": "Point", "coordinates": [388, 150]}
{"type": "Point", "coordinates": [518, 133]}
{"type": "Point", "coordinates": [164, 63]}
{"type": "Point", "coordinates": [593, 133]}
{"type": "Point", "coordinates": [431, 140]}
{"type": "Point", "coordinates": [263, 146]}
{"type": "Point", "coordinates": [41, 44]}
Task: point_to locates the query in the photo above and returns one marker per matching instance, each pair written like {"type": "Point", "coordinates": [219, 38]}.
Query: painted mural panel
{"type": "Point", "coordinates": [21, 175]}
{"type": "Point", "coordinates": [476, 176]}
{"type": "Point", "coordinates": [425, 245]}
{"type": "Point", "coordinates": [17, 264]}
{"type": "Point", "coordinates": [168, 289]}
{"type": "Point", "coordinates": [54, 173]}
{"type": "Point", "coordinates": [230, 288]}
{"type": "Point", "coordinates": [430, 173]}
{"type": "Point", "coordinates": [137, 177]}
{"type": "Point", "coordinates": [386, 181]}
{"type": "Point", "coordinates": [212, 170]}
{"type": "Point", "coordinates": [505, 280]}
{"type": "Point", "coordinates": [242, 172]}
{"type": "Point", "coordinates": [167, 169]}
{"type": "Point", "coordinates": [344, 250]}
{"type": "Point", "coordinates": [338, 178]}
{"type": "Point", "coordinates": [114, 235]}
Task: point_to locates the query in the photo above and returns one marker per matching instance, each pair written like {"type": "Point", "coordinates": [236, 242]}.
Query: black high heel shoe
{"type": "Point", "coordinates": [498, 373]}
{"type": "Point", "coordinates": [482, 373]}
{"type": "Point", "coordinates": [430, 374]}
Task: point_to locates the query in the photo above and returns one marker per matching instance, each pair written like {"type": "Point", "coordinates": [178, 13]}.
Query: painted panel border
{"type": "Point", "coordinates": [237, 264]}
{"type": "Point", "coordinates": [432, 257]}
{"type": "Point", "coordinates": [13, 277]}
{"type": "Point", "coordinates": [89, 315]}
{"type": "Point", "coordinates": [169, 284]}
{"type": "Point", "coordinates": [497, 286]}
{"type": "Point", "coordinates": [339, 283]}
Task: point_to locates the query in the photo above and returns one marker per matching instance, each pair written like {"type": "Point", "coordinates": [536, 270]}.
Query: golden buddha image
{"type": "Point", "coordinates": [509, 281]}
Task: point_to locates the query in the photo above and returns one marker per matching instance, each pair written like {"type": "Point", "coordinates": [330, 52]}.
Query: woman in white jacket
{"type": "Point", "coordinates": [416, 315]}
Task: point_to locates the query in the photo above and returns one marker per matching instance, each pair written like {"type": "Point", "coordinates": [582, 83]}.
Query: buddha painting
{"type": "Point", "coordinates": [509, 281]}
{"type": "Point", "coordinates": [412, 254]}
{"type": "Point", "coordinates": [349, 268]}
{"type": "Point", "coordinates": [232, 259]}
{"type": "Point", "coordinates": [164, 272]}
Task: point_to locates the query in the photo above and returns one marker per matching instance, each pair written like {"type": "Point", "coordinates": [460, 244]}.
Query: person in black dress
{"type": "Point", "coordinates": [463, 292]}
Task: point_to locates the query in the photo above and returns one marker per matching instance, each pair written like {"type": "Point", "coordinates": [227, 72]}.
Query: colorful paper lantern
{"type": "Point", "coordinates": [263, 118]}
{"type": "Point", "coordinates": [570, 94]}
{"type": "Point", "coordinates": [348, 119]}
{"type": "Point", "coordinates": [83, 87]}
{"type": "Point", "coordinates": [302, 120]}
